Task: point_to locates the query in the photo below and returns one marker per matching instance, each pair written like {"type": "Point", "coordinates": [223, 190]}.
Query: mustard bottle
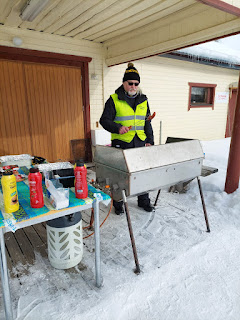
{"type": "Point", "coordinates": [10, 195]}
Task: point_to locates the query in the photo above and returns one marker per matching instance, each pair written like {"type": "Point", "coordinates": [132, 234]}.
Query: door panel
{"type": "Point", "coordinates": [54, 96]}
{"type": "Point", "coordinates": [41, 109]}
{"type": "Point", "coordinates": [14, 122]}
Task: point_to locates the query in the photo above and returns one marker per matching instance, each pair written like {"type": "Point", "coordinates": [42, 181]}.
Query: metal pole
{"type": "Point", "coordinates": [160, 133]}
{"type": "Point", "coordinates": [4, 276]}
{"type": "Point", "coordinates": [155, 203]}
{"type": "Point", "coordinates": [137, 271]}
{"type": "Point", "coordinates": [97, 244]}
{"type": "Point", "coordinates": [203, 204]}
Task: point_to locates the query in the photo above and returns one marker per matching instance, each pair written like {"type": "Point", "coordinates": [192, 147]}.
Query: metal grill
{"type": "Point", "coordinates": [140, 170]}
{"type": "Point", "coordinates": [136, 171]}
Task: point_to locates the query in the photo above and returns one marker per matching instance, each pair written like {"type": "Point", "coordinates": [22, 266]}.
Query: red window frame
{"type": "Point", "coordinates": [210, 95]}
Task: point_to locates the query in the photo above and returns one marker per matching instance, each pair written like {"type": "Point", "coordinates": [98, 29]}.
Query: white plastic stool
{"type": "Point", "coordinates": [65, 244]}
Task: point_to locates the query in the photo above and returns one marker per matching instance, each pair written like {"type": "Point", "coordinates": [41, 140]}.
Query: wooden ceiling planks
{"type": "Point", "coordinates": [5, 10]}
{"type": "Point", "coordinates": [172, 13]}
{"type": "Point", "coordinates": [95, 20]}
{"type": "Point", "coordinates": [113, 22]}
{"type": "Point", "coordinates": [57, 14]}
{"type": "Point", "coordinates": [102, 9]}
{"type": "Point", "coordinates": [13, 19]}
{"type": "Point", "coordinates": [143, 18]}
{"type": "Point", "coordinates": [70, 15]}
{"type": "Point", "coordinates": [52, 5]}
{"type": "Point", "coordinates": [128, 15]}
{"type": "Point", "coordinates": [103, 16]}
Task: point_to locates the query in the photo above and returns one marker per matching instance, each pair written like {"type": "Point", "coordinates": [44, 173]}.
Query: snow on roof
{"type": "Point", "coordinates": [212, 51]}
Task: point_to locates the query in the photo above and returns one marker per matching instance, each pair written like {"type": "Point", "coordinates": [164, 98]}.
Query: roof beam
{"type": "Point", "coordinates": [222, 5]}
{"type": "Point", "coordinates": [193, 25]}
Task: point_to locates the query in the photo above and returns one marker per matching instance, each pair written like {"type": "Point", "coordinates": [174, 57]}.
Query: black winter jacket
{"type": "Point", "coordinates": [109, 113]}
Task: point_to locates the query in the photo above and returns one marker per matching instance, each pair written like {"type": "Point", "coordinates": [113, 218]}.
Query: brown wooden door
{"type": "Point", "coordinates": [15, 132]}
{"type": "Point", "coordinates": [49, 110]}
{"type": "Point", "coordinates": [231, 112]}
{"type": "Point", "coordinates": [56, 111]}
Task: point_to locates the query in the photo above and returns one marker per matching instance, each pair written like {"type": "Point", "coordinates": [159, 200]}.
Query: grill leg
{"type": "Point", "coordinates": [203, 204]}
{"type": "Point", "coordinates": [155, 203]}
{"type": "Point", "coordinates": [137, 271]}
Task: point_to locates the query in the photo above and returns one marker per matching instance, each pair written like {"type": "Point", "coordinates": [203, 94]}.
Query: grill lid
{"type": "Point", "coordinates": [139, 159]}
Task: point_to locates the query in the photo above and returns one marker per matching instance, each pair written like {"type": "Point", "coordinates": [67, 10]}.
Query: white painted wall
{"type": "Point", "coordinates": [165, 82]}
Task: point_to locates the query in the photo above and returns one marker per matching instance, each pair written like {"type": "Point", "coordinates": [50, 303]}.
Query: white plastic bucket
{"type": "Point", "coordinates": [65, 246]}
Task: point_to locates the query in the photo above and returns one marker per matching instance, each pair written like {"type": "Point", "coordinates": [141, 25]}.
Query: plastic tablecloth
{"type": "Point", "coordinates": [26, 212]}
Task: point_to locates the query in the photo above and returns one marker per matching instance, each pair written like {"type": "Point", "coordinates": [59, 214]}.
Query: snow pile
{"type": "Point", "coordinates": [186, 272]}
{"type": "Point", "coordinates": [212, 51]}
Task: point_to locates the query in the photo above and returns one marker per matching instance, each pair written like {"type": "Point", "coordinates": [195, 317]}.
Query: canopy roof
{"type": "Point", "coordinates": [210, 53]}
{"type": "Point", "coordinates": [133, 29]}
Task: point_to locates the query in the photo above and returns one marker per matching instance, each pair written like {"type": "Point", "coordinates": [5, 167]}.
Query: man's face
{"type": "Point", "coordinates": [131, 87]}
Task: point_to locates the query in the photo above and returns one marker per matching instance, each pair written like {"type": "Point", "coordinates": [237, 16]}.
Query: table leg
{"type": "Point", "coordinates": [4, 277]}
{"type": "Point", "coordinates": [97, 244]}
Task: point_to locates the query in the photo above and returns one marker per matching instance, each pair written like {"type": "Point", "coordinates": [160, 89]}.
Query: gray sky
{"type": "Point", "coordinates": [232, 42]}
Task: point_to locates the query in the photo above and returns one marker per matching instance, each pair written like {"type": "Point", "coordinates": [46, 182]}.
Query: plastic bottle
{"type": "Point", "coordinates": [10, 195]}
{"type": "Point", "coordinates": [35, 186]}
{"type": "Point", "coordinates": [81, 187]}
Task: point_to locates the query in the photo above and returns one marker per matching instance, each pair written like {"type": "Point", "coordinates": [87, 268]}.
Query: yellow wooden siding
{"type": "Point", "coordinates": [165, 82]}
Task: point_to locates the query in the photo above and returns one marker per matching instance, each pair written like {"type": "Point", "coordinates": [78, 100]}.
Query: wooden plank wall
{"type": "Point", "coordinates": [14, 121]}
{"type": "Point", "coordinates": [42, 108]}
{"type": "Point", "coordinates": [55, 107]}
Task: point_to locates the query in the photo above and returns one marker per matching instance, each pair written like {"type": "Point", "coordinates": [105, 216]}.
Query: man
{"type": "Point", "coordinates": [128, 107]}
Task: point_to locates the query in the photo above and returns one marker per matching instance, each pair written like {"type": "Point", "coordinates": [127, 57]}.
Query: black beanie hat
{"type": "Point", "coordinates": [131, 73]}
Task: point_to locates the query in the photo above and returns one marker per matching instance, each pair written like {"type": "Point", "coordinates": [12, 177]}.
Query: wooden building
{"type": "Point", "coordinates": [168, 83]}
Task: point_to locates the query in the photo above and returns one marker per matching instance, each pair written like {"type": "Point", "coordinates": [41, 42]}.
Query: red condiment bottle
{"type": "Point", "coordinates": [35, 186]}
{"type": "Point", "coordinates": [80, 173]}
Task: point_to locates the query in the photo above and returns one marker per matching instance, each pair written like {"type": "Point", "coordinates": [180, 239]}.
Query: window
{"type": "Point", "coordinates": [201, 95]}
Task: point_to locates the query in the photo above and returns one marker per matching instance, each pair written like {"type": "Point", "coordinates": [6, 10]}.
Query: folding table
{"type": "Point", "coordinates": [27, 216]}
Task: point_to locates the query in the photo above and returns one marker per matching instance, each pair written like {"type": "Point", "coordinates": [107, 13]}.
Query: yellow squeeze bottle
{"type": "Point", "coordinates": [10, 195]}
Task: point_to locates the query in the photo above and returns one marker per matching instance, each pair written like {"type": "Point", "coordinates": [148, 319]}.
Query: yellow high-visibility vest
{"type": "Point", "coordinates": [126, 116]}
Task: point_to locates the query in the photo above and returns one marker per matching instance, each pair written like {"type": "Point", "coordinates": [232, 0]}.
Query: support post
{"type": "Point", "coordinates": [137, 271]}
{"type": "Point", "coordinates": [97, 243]}
{"type": "Point", "coordinates": [4, 277]}
{"type": "Point", "coordinates": [203, 204]}
{"type": "Point", "coordinates": [233, 170]}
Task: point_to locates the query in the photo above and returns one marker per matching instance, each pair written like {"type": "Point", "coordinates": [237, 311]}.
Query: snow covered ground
{"type": "Point", "coordinates": [187, 273]}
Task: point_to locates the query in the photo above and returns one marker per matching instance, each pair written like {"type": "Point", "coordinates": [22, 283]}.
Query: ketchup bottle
{"type": "Point", "coordinates": [35, 185]}
{"type": "Point", "coordinates": [80, 173]}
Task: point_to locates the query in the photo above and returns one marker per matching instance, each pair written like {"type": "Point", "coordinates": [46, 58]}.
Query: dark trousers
{"type": "Point", "coordinates": [143, 199]}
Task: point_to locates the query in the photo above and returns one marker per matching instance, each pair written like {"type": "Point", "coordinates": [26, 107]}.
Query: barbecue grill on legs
{"type": "Point", "coordinates": [132, 172]}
